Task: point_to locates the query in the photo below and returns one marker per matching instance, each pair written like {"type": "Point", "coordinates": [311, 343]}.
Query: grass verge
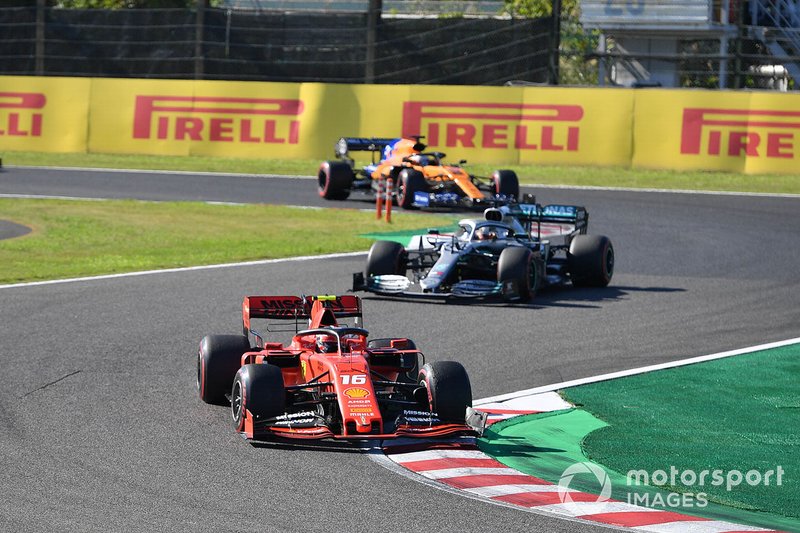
{"type": "Point", "coordinates": [84, 238]}
{"type": "Point", "coordinates": [738, 414]}
{"type": "Point", "coordinates": [531, 174]}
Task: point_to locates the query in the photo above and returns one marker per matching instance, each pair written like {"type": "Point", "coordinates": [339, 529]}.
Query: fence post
{"type": "Point", "coordinates": [555, 41]}
{"type": "Point", "coordinates": [373, 19]}
{"type": "Point", "coordinates": [737, 65]}
{"type": "Point", "coordinates": [40, 7]}
{"type": "Point", "coordinates": [199, 25]}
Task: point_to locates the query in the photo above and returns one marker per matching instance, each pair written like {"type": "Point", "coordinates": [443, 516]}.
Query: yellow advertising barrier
{"type": "Point", "coordinates": [44, 114]}
{"type": "Point", "coordinates": [276, 120]}
{"type": "Point", "coordinates": [212, 118]}
{"type": "Point", "coordinates": [523, 125]}
{"type": "Point", "coordinates": [750, 132]}
{"type": "Point", "coordinates": [753, 132]}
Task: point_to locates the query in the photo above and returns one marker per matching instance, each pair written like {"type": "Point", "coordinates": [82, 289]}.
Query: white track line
{"type": "Point", "coordinates": [410, 457]}
{"type": "Point", "coordinates": [184, 269]}
{"type": "Point", "coordinates": [526, 185]}
{"type": "Point", "coordinates": [651, 190]}
{"type": "Point", "coordinates": [540, 398]}
{"type": "Point", "coordinates": [54, 197]}
{"type": "Point", "coordinates": [175, 172]}
{"type": "Point", "coordinates": [634, 371]}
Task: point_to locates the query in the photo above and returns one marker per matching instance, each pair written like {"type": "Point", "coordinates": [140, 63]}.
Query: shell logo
{"type": "Point", "coordinates": [356, 392]}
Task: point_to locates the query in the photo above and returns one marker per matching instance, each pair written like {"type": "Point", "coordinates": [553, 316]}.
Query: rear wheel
{"type": "Point", "coordinates": [258, 389]}
{"type": "Point", "coordinates": [506, 183]}
{"type": "Point", "coordinates": [590, 260]}
{"type": "Point", "coordinates": [218, 359]}
{"type": "Point", "coordinates": [409, 181]}
{"type": "Point", "coordinates": [386, 257]}
{"type": "Point", "coordinates": [449, 390]}
{"type": "Point", "coordinates": [334, 180]}
{"type": "Point", "coordinates": [517, 265]}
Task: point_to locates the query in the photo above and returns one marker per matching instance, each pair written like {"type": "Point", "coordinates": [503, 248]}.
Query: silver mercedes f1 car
{"type": "Point", "coordinates": [511, 252]}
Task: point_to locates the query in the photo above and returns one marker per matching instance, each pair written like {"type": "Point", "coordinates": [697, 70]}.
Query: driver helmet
{"type": "Point", "coordinates": [486, 233]}
{"type": "Point", "coordinates": [327, 343]}
{"type": "Point", "coordinates": [419, 159]}
{"type": "Point", "coordinates": [351, 340]}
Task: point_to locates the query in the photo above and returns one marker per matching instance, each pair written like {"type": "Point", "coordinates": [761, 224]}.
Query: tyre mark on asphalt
{"type": "Point", "coordinates": [49, 384]}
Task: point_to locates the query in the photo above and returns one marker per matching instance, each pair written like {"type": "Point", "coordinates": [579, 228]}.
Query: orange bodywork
{"type": "Point", "coordinates": [402, 155]}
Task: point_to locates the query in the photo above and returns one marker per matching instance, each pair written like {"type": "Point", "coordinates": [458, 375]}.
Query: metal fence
{"type": "Point", "coordinates": [345, 47]}
{"type": "Point", "coordinates": [672, 43]}
{"type": "Point", "coordinates": [693, 43]}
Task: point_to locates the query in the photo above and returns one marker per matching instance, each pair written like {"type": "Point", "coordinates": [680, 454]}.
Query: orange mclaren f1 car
{"type": "Point", "coordinates": [420, 178]}
{"type": "Point", "coordinates": [330, 381]}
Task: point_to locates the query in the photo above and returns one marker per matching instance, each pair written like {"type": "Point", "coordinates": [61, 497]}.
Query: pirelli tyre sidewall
{"type": "Point", "coordinates": [449, 390]}
{"type": "Point", "coordinates": [334, 180]}
{"type": "Point", "coordinates": [590, 260]}
{"type": "Point", "coordinates": [506, 182]}
{"type": "Point", "coordinates": [218, 359]}
{"type": "Point", "coordinates": [258, 389]}
{"type": "Point", "coordinates": [386, 257]}
{"type": "Point", "coordinates": [409, 181]}
{"type": "Point", "coordinates": [520, 265]}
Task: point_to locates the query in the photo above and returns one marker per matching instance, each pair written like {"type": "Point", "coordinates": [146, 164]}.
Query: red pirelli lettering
{"type": "Point", "coordinates": [739, 132]}
{"type": "Point", "coordinates": [548, 127]}
{"type": "Point", "coordinates": [18, 116]}
{"type": "Point", "coordinates": [218, 119]}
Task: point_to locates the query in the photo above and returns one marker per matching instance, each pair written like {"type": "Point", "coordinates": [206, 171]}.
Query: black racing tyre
{"type": "Point", "coordinates": [590, 260]}
{"type": "Point", "coordinates": [449, 390]}
{"type": "Point", "coordinates": [258, 389]}
{"type": "Point", "coordinates": [409, 181]}
{"type": "Point", "coordinates": [334, 180]}
{"type": "Point", "coordinates": [218, 359]}
{"type": "Point", "coordinates": [506, 182]}
{"type": "Point", "coordinates": [518, 264]}
{"type": "Point", "coordinates": [386, 257]}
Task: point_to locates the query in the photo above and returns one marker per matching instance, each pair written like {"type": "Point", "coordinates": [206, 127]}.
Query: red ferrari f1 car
{"type": "Point", "coordinates": [330, 381]}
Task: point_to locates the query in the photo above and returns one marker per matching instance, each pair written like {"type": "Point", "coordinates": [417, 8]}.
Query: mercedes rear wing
{"type": "Point", "coordinates": [296, 309]}
{"type": "Point", "coordinates": [529, 214]}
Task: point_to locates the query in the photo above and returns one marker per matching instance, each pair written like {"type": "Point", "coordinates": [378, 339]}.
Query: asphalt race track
{"type": "Point", "coordinates": [101, 427]}
{"type": "Point", "coordinates": [9, 230]}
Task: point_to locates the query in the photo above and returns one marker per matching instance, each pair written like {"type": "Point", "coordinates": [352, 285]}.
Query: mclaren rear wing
{"type": "Point", "coordinates": [345, 145]}
{"type": "Point", "coordinates": [296, 309]}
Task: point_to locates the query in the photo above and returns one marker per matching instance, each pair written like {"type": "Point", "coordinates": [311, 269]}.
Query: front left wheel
{"type": "Point", "coordinates": [519, 267]}
{"type": "Point", "coordinates": [409, 182]}
{"type": "Point", "coordinates": [258, 389]}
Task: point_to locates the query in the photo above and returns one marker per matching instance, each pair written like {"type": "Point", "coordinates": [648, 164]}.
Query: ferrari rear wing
{"type": "Point", "coordinates": [297, 308]}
